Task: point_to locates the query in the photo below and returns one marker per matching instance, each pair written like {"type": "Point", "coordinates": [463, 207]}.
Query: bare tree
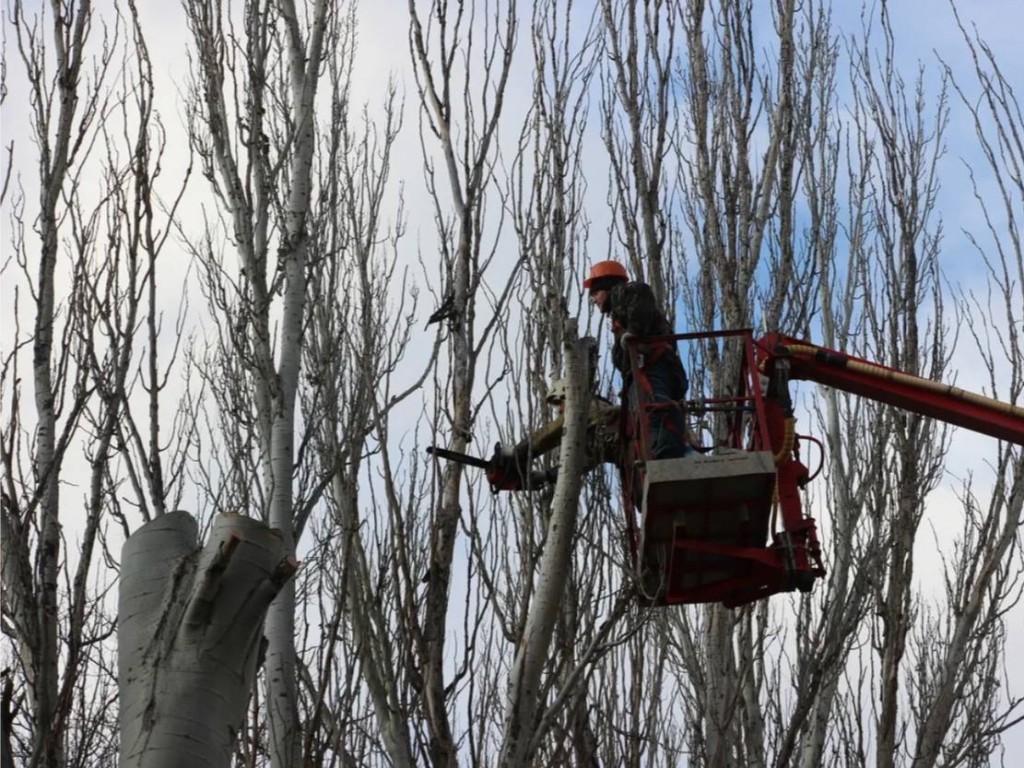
{"type": "Point", "coordinates": [959, 713]}
{"type": "Point", "coordinates": [548, 197]}
{"type": "Point", "coordinates": [99, 245]}
{"type": "Point", "coordinates": [464, 123]}
{"type": "Point", "coordinates": [638, 105]}
{"type": "Point", "coordinates": [641, 43]}
{"type": "Point", "coordinates": [553, 569]}
{"type": "Point", "coordinates": [742, 175]}
{"type": "Point", "coordinates": [859, 530]}
{"type": "Point", "coordinates": [831, 620]}
{"type": "Point", "coordinates": [736, 203]}
{"type": "Point", "coordinates": [67, 91]}
{"type": "Point", "coordinates": [254, 130]}
{"type": "Point", "coordinates": [356, 341]}
{"type": "Point", "coordinates": [903, 274]}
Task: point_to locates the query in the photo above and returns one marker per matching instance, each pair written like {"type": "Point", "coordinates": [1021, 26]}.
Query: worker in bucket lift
{"type": "Point", "coordinates": [661, 378]}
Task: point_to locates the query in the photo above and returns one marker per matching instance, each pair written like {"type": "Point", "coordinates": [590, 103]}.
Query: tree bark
{"type": "Point", "coordinates": [190, 635]}
{"type": "Point", "coordinates": [556, 560]}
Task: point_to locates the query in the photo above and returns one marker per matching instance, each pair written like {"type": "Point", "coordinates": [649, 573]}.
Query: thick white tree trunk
{"type": "Point", "coordinates": [555, 563]}
{"type": "Point", "coordinates": [190, 629]}
{"type": "Point", "coordinates": [304, 61]}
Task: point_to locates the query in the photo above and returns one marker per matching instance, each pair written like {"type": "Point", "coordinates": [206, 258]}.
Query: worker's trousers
{"type": "Point", "coordinates": [663, 385]}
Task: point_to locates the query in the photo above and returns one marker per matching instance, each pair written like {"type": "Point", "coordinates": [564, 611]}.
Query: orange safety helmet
{"type": "Point", "coordinates": [605, 269]}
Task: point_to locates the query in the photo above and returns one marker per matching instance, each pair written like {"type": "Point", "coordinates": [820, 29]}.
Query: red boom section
{"type": "Point", "coordinates": [888, 385]}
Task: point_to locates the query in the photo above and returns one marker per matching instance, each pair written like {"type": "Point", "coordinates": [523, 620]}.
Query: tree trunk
{"type": "Point", "coordinates": [190, 623]}
{"type": "Point", "coordinates": [555, 561]}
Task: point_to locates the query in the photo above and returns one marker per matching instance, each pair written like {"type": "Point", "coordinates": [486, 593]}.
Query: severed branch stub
{"type": "Point", "coordinates": [202, 599]}
{"type": "Point", "coordinates": [190, 625]}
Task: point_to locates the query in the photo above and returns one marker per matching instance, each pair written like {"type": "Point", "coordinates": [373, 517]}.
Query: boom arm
{"type": "Point", "coordinates": [888, 385]}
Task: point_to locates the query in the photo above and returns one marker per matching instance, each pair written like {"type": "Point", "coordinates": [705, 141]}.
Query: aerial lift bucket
{"type": "Point", "coordinates": [705, 519]}
{"type": "Point", "coordinates": [704, 527]}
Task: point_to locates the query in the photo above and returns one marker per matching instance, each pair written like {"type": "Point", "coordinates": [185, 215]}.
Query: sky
{"type": "Point", "coordinates": [925, 32]}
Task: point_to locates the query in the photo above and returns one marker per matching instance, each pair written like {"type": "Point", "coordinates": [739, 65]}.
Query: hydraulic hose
{"type": "Point", "coordinates": [788, 439]}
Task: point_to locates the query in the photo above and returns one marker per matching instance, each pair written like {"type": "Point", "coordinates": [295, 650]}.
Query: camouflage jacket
{"type": "Point", "coordinates": [634, 310]}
